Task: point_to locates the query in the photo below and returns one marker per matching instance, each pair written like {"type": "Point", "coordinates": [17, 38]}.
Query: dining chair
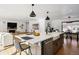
{"type": "Point", "coordinates": [21, 46]}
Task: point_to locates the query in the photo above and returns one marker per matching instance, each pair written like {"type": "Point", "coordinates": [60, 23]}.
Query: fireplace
{"type": "Point", "coordinates": [11, 31]}
{"type": "Point", "coordinates": [11, 27]}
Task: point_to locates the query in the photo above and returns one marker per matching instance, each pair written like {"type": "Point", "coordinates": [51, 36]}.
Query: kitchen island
{"type": "Point", "coordinates": [50, 43]}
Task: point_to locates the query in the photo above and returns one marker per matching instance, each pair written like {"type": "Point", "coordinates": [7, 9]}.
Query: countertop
{"type": "Point", "coordinates": [37, 39]}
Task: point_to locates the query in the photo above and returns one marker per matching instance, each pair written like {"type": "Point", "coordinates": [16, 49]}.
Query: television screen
{"type": "Point", "coordinates": [11, 25]}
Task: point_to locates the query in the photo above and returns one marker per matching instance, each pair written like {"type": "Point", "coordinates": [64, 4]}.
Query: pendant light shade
{"type": "Point", "coordinates": [47, 18]}
{"type": "Point", "coordinates": [69, 16]}
{"type": "Point", "coordinates": [32, 13]}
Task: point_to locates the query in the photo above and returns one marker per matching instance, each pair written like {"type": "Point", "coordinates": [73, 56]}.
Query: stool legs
{"type": "Point", "coordinates": [77, 38]}
{"type": "Point", "coordinates": [71, 38]}
{"type": "Point", "coordinates": [30, 51]}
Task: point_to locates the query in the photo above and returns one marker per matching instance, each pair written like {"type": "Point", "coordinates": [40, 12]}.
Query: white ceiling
{"type": "Point", "coordinates": [56, 11]}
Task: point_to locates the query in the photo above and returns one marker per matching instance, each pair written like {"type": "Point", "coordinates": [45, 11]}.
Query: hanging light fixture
{"type": "Point", "coordinates": [32, 13]}
{"type": "Point", "coordinates": [47, 18]}
{"type": "Point", "coordinates": [69, 16]}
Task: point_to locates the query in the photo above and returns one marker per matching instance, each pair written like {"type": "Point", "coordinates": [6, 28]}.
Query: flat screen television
{"type": "Point", "coordinates": [11, 25]}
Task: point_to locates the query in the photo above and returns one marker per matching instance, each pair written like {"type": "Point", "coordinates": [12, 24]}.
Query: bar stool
{"type": "Point", "coordinates": [20, 46]}
{"type": "Point", "coordinates": [69, 34]}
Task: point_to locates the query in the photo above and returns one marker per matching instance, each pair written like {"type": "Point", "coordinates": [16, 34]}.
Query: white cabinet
{"type": "Point", "coordinates": [6, 39]}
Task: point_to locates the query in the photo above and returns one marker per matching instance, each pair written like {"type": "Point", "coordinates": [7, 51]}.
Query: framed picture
{"type": "Point", "coordinates": [35, 26]}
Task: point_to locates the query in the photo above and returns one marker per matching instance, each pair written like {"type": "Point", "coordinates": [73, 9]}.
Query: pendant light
{"type": "Point", "coordinates": [47, 18]}
{"type": "Point", "coordinates": [32, 13]}
{"type": "Point", "coordinates": [69, 17]}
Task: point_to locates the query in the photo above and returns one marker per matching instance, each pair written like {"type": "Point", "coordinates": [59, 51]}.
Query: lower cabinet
{"type": "Point", "coordinates": [50, 47]}
{"type": "Point", "coordinates": [6, 39]}
{"type": "Point", "coordinates": [47, 47]}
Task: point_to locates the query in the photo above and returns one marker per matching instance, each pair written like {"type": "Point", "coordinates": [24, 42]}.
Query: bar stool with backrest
{"type": "Point", "coordinates": [21, 46]}
{"type": "Point", "coordinates": [69, 34]}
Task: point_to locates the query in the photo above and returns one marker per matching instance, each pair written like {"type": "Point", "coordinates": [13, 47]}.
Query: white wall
{"type": "Point", "coordinates": [56, 24]}
{"type": "Point", "coordinates": [19, 23]}
{"type": "Point", "coordinates": [3, 25]}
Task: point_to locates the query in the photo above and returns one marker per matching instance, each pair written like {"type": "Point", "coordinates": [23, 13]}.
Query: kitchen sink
{"type": "Point", "coordinates": [26, 38]}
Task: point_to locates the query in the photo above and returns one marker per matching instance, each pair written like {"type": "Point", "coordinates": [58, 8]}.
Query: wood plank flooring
{"type": "Point", "coordinates": [11, 50]}
{"type": "Point", "coordinates": [69, 48]}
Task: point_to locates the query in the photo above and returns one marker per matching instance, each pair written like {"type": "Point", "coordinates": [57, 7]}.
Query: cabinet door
{"type": "Point", "coordinates": [55, 46]}
{"type": "Point", "coordinates": [8, 39]}
{"type": "Point", "coordinates": [47, 48]}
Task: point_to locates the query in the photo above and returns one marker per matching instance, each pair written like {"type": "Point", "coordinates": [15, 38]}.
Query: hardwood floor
{"type": "Point", "coordinates": [11, 50]}
{"type": "Point", "coordinates": [69, 47]}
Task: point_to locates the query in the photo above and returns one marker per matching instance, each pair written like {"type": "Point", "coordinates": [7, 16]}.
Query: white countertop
{"type": "Point", "coordinates": [37, 39]}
